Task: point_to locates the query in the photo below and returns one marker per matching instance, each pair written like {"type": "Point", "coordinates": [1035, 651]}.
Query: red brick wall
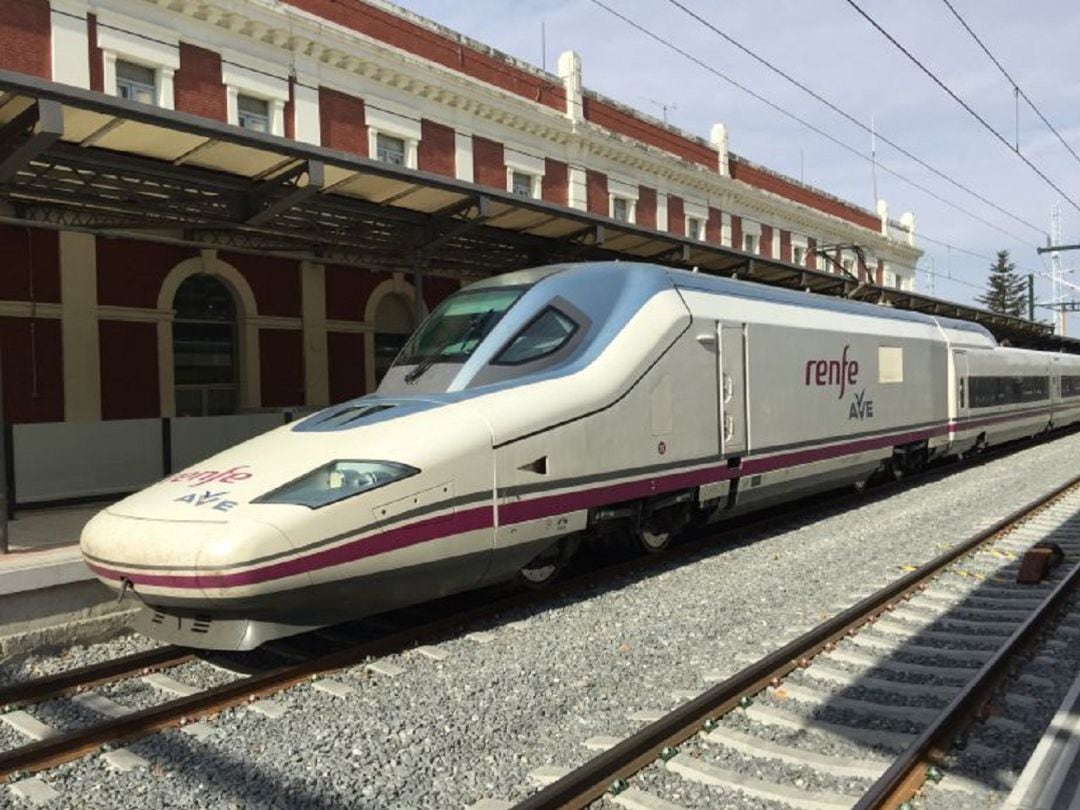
{"type": "Point", "coordinates": [281, 364]}
{"type": "Point", "coordinates": [29, 260]}
{"type": "Point", "coordinates": [412, 38]}
{"type": "Point", "coordinates": [596, 193]}
{"type": "Point", "coordinates": [345, 361]}
{"type": "Point", "coordinates": [289, 113]}
{"type": "Point", "coordinates": [676, 215]}
{"type": "Point", "coordinates": [129, 370]}
{"type": "Point", "coordinates": [770, 182]}
{"type": "Point", "coordinates": [436, 288]}
{"type": "Point", "coordinates": [275, 282]}
{"type": "Point", "coordinates": [616, 120]}
{"type": "Point", "coordinates": [713, 226]}
{"type": "Point", "coordinates": [198, 87]}
{"type": "Point", "coordinates": [811, 247]}
{"type": "Point", "coordinates": [341, 122]}
{"type": "Point", "coordinates": [30, 350]}
{"type": "Point", "coordinates": [25, 37]}
{"type": "Point", "coordinates": [556, 183]}
{"type": "Point", "coordinates": [736, 233]}
{"type": "Point", "coordinates": [97, 68]}
{"type": "Point", "coordinates": [436, 150]}
{"type": "Point", "coordinates": [646, 207]}
{"type": "Point", "coordinates": [766, 241]}
{"type": "Point", "coordinates": [129, 274]}
{"type": "Point", "coordinates": [348, 290]}
{"type": "Point", "coordinates": [879, 274]}
{"type": "Point", "coordinates": [489, 163]}
{"type": "Point", "coordinates": [785, 246]}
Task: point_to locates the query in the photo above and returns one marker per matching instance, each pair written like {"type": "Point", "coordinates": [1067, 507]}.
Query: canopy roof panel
{"type": "Point", "coordinates": [80, 160]}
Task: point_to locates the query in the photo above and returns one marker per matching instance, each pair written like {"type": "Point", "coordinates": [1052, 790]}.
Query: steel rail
{"type": "Point", "coordinates": [908, 773]}
{"type": "Point", "coordinates": [590, 781]}
{"type": "Point", "coordinates": [62, 683]}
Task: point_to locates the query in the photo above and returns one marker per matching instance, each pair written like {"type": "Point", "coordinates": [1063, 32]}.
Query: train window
{"type": "Point", "coordinates": [454, 330]}
{"type": "Point", "coordinates": [1070, 386]}
{"type": "Point", "coordinates": [987, 392]}
{"type": "Point", "coordinates": [545, 334]}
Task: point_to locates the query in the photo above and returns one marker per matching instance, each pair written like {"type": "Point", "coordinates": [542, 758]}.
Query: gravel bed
{"type": "Point", "coordinates": [774, 770]}
{"type": "Point", "coordinates": [445, 734]}
{"type": "Point", "coordinates": [35, 665]}
{"type": "Point", "coordinates": [10, 738]}
{"type": "Point", "coordinates": [659, 781]}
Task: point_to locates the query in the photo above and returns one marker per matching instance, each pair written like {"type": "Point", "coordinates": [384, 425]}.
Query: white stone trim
{"type": "Point", "coordinates": [307, 125]}
{"type": "Point", "coordinates": [123, 37]}
{"type": "Point", "coordinates": [725, 229]}
{"type": "Point", "coordinates": [80, 341]}
{"type": "Point", "coordinates": [463, 157]}
{"type": "Point", "coordinates": [397, 125]}
{"type": "Point", "coordinates": [775, 242]}
{"type": "Point", "coordinates": [523, 161]}
{"type": "Point", "coordinates": [577, 188]}
{"type": "Point", "coordinates": [274, 90]}
{"type": "Point", "coordinates": [111, 312]}
{"type": "Point", "coordinates": [627, 189]}
{"type": "Point", "coordinates": [751, 227]}
{"type": "Point", "coordinates": [70, 44]}
{"type": "Point", "coordinates": [696, 209]}
{"type": "Point", "coordinates": [662, 219]}
{"type": "Point", "coordinates": [29, 309]}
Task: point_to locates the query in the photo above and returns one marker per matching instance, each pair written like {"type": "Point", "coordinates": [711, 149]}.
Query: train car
{"type": "Point", "coordinates": [533, 411]}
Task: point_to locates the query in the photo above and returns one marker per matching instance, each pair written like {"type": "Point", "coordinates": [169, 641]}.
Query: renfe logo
{"type": "Point", "coordinates": [842, 372]}
{"type": "Point", "coordinates": [194, 478]}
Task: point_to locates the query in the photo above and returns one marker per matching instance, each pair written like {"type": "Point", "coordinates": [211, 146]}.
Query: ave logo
{"type": "Point", "coordinates": [213, 500]}
{"type": "Point", "coordinates": [861, 407]}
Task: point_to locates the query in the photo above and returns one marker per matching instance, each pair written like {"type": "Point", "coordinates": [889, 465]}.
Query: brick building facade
{"type": "Point", "coordinates": [88, 325]}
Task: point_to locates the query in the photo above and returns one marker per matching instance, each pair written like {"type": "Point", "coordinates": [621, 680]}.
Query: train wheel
{"type": "Point", "coordinates": [546, 565]}
{"type": "Point", "coordinates": [654, 535]}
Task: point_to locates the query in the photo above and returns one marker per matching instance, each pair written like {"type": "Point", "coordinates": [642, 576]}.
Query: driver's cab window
{"type": "Point", "coordinates": [546, 334]}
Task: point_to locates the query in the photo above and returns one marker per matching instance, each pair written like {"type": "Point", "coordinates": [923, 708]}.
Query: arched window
{"type": "Point", "coordinates": [394, 323]}
{"type": "Point", "coordinates": [204, 348]}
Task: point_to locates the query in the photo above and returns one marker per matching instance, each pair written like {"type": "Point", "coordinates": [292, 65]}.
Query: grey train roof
{"type": "Point", "coordinates": [735, 288]}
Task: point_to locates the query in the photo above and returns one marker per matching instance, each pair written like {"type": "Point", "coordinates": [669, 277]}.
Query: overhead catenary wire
{"type": "Point", "coordinates": [1012, 81]}
{"type": "Point", "coordinates": [934, 78]}
{"type": "Point", "coordinates": [815, 129]}
{"type": "Point", "coordinates": [851, 118]}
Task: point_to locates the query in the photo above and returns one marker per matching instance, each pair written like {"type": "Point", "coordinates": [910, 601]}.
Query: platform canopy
{"type": "Point", "coordinates": [74, 159]}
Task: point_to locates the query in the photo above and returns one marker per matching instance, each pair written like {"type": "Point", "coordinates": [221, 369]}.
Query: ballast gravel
{"type": "Point", "coordinates": [445, 734]}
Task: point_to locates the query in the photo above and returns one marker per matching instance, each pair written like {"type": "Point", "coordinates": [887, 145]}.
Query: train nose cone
{"type": "Point", "coordinates": [174, 562]}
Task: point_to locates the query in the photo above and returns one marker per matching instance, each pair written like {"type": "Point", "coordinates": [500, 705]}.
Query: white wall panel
{"type": "Point", "coordinates": [64, 460]}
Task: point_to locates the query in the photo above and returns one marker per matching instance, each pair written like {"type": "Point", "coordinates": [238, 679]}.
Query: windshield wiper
{"type": "Point", "coordinates": [476, 322]}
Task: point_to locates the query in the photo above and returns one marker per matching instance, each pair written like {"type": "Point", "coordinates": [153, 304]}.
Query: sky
{"type": "Point", "coordinates": [827, 46]}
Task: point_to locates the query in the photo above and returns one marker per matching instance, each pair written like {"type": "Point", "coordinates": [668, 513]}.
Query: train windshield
{"type": "Point", "coordinates": [454, 330]}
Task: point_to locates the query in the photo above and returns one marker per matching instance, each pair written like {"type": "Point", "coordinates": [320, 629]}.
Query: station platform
{"type": "Point", "coordinates": [47, 594]}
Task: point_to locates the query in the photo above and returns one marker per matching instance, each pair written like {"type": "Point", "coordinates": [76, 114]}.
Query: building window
{"type": "Point", "coordinates": [205, 348]}
{"type": "Point", "coordinates": [694, 228]}
{"type": "Point", "coordinates": [253, 113]}
{"type": "Point", "coordinates": [522, 184]}
{"type": "Point", "coordinates": [750, 243]}
{"type": "Point", "coordinates": [394, 323]}
{"type": "Point", "coordinates": [622, 209]}
{"type": "Point", "coordinates": [849, 266]}
{"type": "Point", "coordinates": [136, 82]}
{"type": "Point", "coordinates": [389, 149]}
{"type": "Point", "coordinates": [798, 255]}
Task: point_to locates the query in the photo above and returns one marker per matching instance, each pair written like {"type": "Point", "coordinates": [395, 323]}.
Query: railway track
{"type": "Point", "coordinates": [111, 725]}
{"type": "Point", "coordinates": [896, 678]}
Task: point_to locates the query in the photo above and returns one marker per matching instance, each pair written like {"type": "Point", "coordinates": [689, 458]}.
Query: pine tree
{"type": "Point", "coordinates": [1006, 290]}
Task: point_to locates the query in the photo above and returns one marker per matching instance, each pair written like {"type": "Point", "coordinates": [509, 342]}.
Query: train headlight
{"type": "Point", "coordinates": [336, 481]}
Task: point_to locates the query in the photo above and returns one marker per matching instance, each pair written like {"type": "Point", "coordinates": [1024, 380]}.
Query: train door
{"type": "Point", "coordinates": [962, 391]}
{"type": "Point", "coordinates": [732, 384]}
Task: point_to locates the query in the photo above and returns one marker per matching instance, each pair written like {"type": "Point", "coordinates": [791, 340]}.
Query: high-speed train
{"type": "Point", "coordinates": [537, 409]}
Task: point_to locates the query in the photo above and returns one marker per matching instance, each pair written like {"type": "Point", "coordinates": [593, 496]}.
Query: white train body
{"type": "Point", "coordinates": [535, 406]}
